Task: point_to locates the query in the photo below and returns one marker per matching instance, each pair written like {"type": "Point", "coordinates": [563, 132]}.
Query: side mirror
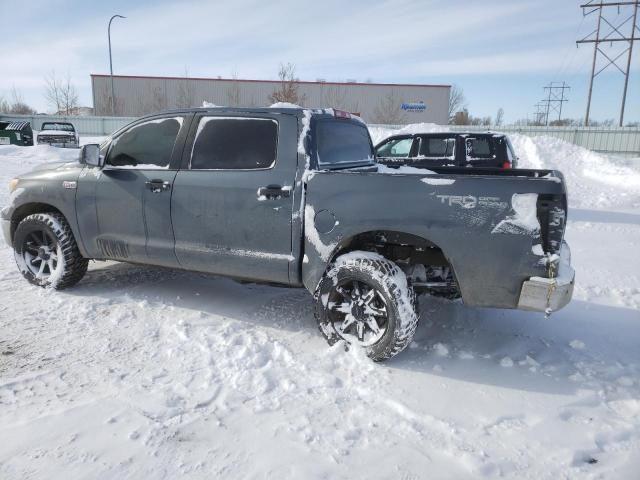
{"type": "Point", "coordinates": [90, 155]}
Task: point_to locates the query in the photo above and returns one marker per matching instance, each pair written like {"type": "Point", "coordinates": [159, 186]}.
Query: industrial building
{"type": "Point", "coordinates": [375, 102]}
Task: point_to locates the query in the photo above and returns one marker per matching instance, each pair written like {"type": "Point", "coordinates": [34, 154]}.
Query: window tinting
{"type": "Point", "coordinates": [479, 148]}
{"type": "Point", "coordinates": [224, 143]}
{"type": "Point", "coordinates": [397, 148]}
{"type": "Point", "coordinates": [437, 147]}
{"type": "Point", "coordinates": [338, 141]}
{"type": "Point", "coordinates": [146, 145]}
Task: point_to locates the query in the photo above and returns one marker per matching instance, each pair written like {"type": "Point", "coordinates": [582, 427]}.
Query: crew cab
{"type": "Point", "coordinates": [295, 197]}
{"type": "Point", "coordinates": [58, 134]}
{"type": "Point", "coordinates": [448, 149]}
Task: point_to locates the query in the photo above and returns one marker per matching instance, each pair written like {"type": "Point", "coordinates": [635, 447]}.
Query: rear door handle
{"type": "Point", "coordinates": [273, 192]}
{"type": "Point", "coordinates": [157, 186]}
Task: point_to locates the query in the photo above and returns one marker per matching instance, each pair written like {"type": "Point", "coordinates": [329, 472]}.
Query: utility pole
{"type": "Point", "coordinates": [113, 102]}
{"type": "Point", "coordinates": [555, 99]}
{"type": "Point", "coordinates": [613, 30]}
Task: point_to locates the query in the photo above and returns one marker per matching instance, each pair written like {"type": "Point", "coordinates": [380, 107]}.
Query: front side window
{"type": "Point", "coordinates": [396, 148]}
{"type": "Point", "coordinates": [437, 147]}
{"type": "Point", "coordinates": [145, 146]}
{"type": "Point", "coordinates": [235, 143]}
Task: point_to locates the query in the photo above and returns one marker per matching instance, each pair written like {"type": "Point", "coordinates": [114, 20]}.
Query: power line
{"type": "Point", "coordinates": [613, 35]}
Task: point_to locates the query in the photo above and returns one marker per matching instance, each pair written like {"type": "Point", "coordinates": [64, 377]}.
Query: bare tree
{"type": "Point", "coordinates": [16, 105]}
{"type": "Point", "coordinates": [389, 109]}
{"type": "Point", "coordinates": [185, 92]}
{"type": "Point", "coordinates": [288, 89]}
{"type": "Point", "coordinates": [457, 101]}
{"type": "Point", "coordinates": [337, 97]}
{"type": "Point", "coordinates": [158, 101]}
{"type": "Point", "coordinates": [61, 94]}
{"type": "Point", "coordinates": [499, 117]}
{"type": "Point", "coordinates": [233, 94]}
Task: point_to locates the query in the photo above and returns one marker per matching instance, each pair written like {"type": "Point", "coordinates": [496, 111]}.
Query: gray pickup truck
{"type": "Point", "coordinates": [295, 197]}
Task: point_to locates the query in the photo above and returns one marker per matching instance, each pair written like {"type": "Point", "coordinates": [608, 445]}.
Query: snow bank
{"type": "Point", "coordinates": [379, 133]}
{"type": "Point", "coordinates": [593, 180]}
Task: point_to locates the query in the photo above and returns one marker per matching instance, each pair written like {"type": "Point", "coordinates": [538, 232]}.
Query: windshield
{"type": "Point", "coordinates": [342, 143]}
{"type": "Point", "coordinates": [65, 127]}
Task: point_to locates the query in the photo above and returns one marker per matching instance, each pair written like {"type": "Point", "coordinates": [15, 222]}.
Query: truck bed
{"type": "Point", "coordinates": [493, 226]}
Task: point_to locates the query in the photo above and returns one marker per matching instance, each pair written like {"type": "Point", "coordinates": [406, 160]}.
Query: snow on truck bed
{"type": "Point", "coordinates": [146, 372]}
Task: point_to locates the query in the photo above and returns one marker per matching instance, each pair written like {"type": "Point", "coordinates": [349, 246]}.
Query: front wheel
{"type": "Point", "coordinates": [365, 300]}
{"type": "Point", "coordinates": [46, 251]}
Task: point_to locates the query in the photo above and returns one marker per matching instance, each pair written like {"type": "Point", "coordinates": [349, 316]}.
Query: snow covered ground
{"type": "Point", "coordinates": [144, 372]}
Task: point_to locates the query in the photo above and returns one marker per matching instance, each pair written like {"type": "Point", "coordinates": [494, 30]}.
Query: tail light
{"type": "Point", "coordinates": [552, 214]}
{"type": "Point", "coordinates": [341, 114]}
{"type": "Point", "coordinates": [506, 165]}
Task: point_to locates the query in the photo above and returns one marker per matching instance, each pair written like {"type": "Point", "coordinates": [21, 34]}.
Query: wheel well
{"type": "Point", "coordinates": [424, 263]}
{"type": "Point", "coordinates": [396, 246]}
{"type": "Point", "coordinates": [27, 209]}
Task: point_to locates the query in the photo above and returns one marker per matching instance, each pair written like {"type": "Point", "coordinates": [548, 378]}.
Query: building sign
{"type": "Point", "coordinates": [414, 107]}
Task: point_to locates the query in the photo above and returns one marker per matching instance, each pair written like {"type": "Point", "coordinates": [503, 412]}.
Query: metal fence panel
{"type": "Point", "coordinates": [617, 140]}
{"type": "Point", "coordinates": [85, 125]}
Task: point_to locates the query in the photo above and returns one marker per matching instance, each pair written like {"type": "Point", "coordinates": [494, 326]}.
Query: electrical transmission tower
{"type": "Point", "coordinates": [539, 113]}
{"type": "Point", "coordinates": [609, 32]}
{"type": "Point", "coordinates": [555, 99]}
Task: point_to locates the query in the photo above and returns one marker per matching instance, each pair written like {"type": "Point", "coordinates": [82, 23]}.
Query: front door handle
{"type": "Point", "coordinates": [273, 192]}
{"type": "Point", "coordinates": [157, 186]}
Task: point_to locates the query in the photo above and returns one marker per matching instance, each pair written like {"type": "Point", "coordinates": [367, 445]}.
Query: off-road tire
{"type": "Point", "coordinates": [391, 282]}
{"type": "Point", "coordinates": [73, 264]}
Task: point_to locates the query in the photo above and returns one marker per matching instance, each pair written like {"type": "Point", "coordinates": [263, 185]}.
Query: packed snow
{"type": "Point", "coordinates": [147, 372]}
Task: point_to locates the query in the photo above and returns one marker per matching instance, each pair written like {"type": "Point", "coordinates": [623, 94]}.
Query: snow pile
{"type": "Point", "coordinates": [380, 133]}
{"type": "Point", "coordinates": [284, 105]}
{"type": "Point", "coordinates": [593, 180]}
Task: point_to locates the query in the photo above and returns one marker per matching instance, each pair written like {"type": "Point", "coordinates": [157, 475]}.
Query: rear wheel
{"type": "Point", "coordinates": [365, 300]}
{"type": "Point", "coordinates": [46, 251]}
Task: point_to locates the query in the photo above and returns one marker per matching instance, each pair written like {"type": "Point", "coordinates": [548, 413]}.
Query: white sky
{"type": "Point", "coordinates": [501, 52]}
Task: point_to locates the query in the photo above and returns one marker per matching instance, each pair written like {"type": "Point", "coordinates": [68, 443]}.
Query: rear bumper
{"type": "Point", "coordinates": [542, 294]}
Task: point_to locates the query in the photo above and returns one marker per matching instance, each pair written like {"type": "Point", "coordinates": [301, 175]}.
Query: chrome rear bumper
{"type": "Point", "coordinates": [547, 295]}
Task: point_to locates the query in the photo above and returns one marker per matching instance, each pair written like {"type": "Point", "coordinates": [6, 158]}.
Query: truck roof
{"type": "Point", "coordinates": [299, 111]}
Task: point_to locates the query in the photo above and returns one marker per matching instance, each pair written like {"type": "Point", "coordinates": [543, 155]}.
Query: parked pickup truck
{"type": "Point", "coordinates": [295, 197]}
{"type": "Point", "coordinates": [448, 149]}
{"type": "Point", "coordinates": [58, 134]}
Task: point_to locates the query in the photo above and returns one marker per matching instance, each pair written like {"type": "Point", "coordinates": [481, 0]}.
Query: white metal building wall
{"type": "Point", "coordinates": [137, 96]}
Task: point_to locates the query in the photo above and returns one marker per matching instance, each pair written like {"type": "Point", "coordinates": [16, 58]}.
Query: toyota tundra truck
{"type": "Point", "coordinates": [294, 196]}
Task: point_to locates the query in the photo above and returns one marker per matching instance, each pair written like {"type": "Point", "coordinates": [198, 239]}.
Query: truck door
{"type": "Point", "coordinates": [232, 199]}
{"type": "Point", "coordinates": [133, 193]}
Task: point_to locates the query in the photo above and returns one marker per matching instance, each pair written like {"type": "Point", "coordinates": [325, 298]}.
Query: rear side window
{"type": "Point", "coordinates": [340, 143]}
{"type": "Point", "coordinates": [235, 143]}
{"type": "Point", "coordinates": [148, 145]}
{"type": "Point", "coordinates": [437, 147]}
{"type": "Point", "coordinates": [479, 148]}
{"type": "Point", "coordinates": [396, 148]}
